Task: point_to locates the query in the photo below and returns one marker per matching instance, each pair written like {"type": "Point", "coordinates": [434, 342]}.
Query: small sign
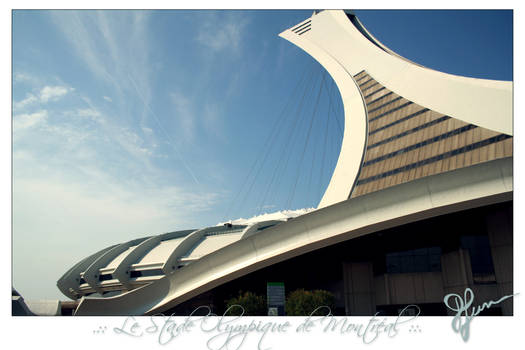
{"type": "Point", "coordinates": [273, 311]}
{"type": "Point", "coordinates": [275, 298]}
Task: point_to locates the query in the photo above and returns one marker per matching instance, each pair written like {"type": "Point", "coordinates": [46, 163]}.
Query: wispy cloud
{"type": "Point", "coordinates": [30, 99]}
{"type": "Point", "coordinates": [116, 49]}
{"type": "Point", "coordinates": [85, 39]}
{"type": "Point", "coordinates": [45, 95]}
{"type": "Point", "coordinates": [80, 210]}
{"type": "Point", "coordinates": [184, 114]}
{"type": "Point", "coordinates": [104, 42]}
{"type": "Point", "coordinates": [24, 121]}
{"type": "Point", "coordinates": [90, 113]}
{"type": "Point", "coordinates": [22, 77]}
{"type": "Point", "coordinates": [220, 33]}
{"type": "Point", "coordinates": [90, 192]}
{"type": "Point", "coordinates": [53, 93]}
{"type": "Point", "coordinates": [147, 131]}
{"type": "Point", "coordinates": [87, 162]}
{"type": "Point", "coordinates": [102, 170]}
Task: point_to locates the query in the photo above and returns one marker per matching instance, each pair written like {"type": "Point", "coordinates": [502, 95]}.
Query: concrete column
{"type": "Point", "coordinates": [456, 272]}
{"type": "Point", "coordinates": [499, 229]}
{"type": "Point", "coordinates": [359, 293]}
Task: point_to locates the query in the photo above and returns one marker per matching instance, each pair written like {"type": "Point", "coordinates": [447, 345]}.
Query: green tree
{"type": "Point", "coordinates": [303, 302]}
{"type": "Point", "coordinates": [253, 305]}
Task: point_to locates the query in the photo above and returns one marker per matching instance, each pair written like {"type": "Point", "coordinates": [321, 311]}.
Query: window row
{"type": "Point", "coordinates": [379, 98]}
{"type": "Point", "coordinates": [399, 120]}
{"type": "Point", "coordinates": [421, 144]}
{"type": "Point", "coordinates": [408, 132]}
{"type": "Point", "coordinates": [384, 104]}
{"type": "Point", "coordinates": [391, 111]}
{"type": "Point", "coordinates": [455, 152]}
{"type": "Point", "coordinates": [373, 93]}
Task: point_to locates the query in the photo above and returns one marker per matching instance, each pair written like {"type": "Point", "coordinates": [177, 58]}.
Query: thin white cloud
{"type": "Point", "coordinates": [46, 94]}
{"type": "Point", "coordinates": [184, 114]}
{"type": "Point", "coordinates": [21, 77]}
{"type": "Point", "coordinates": [30, 99]}
{"type": "Point", "coordinates": [98, 180]}
{"type": "Point", "coordinates": [24, 121]}
{"type": "Point", "coordinates": [104, 41]}
{"type": "Point", "coordinates": [132, 143]}
{"type": "Point", "coordinates": [223, 33]}
{"type": "Point", "coordinates": [52, 93]}
{"type": "Point", "coordinates": [95, 211]}
{"type": "Point", "coordinates": [90, 113]}
{"type": "Point", "coordinates": [74, 25]}
{"type": "Point", "coordinates": [212, 122]}
{"type": "Point", "coordinates": [68, 138]}
{"type": "Point", "coordinates": [147, 131]}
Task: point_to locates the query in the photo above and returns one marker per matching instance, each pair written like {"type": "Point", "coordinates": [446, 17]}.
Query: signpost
{"type": "Point", "coordinates": [275, 298]}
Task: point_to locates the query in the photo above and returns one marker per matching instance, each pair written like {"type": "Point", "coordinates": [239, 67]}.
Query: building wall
{"type": "Point", "coordinates": [359, 288]}
{"type": "Point", "coordinates": [407, 141]}
{"type": "Point", "coordinates": [499, 228]}
{"type": "Point", "coordinates": [457, 273]}
{"type": "Point", "coordinates": [357, 273]}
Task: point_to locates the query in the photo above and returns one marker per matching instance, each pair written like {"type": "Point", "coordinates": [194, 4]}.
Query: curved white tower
{"type": "Point", "coordinates": [363, 59]}
{"type": "Point", "coordinates": [417, 144]}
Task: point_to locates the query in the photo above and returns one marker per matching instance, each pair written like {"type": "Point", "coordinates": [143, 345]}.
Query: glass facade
{"type": "Point", "coordinates": [415, 260]}
{"type": "Point", "coordinates": [480, 258]}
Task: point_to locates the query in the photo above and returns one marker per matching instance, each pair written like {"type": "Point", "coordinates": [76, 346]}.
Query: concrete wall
{"type": "Point", "coordinates": [499, 227]}
{"type": "Point", "coordinates": [358, 281]}
{"type": "Point", "coordinates": [363, 292]}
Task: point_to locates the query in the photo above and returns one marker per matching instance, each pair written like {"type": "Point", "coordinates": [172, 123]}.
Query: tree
{"type": "Point", "coordinates": [302, 302]}
{"type": "Point", "coordinates": [253, 305]}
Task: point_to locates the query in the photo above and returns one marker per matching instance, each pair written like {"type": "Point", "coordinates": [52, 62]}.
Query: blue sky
{"type": "Point", "coordinates": [129, 123]}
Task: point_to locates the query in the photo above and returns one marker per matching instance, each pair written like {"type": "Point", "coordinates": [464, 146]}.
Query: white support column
{"type": "Point", "coordinates": [91, 275]}
{"type": "Point", "coordinates": [187, 243]}
{"type": "Point", "coordinates": [253, 229]}
{"type": "Point", "coordinates": [122, 271]}
{"type": "Point", "coordinates": [69, 283]}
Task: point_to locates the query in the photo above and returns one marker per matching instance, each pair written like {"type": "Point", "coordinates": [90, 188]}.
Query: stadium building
{"type": "Point", "coordinates": [419, 204]}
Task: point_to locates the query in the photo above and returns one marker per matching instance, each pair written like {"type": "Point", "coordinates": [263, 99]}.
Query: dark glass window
{"type": "Point", "coordinates": [415, 260]}
{"type": "Point", "coordinates": [480, 258]}
{"type": "Point", "coordinates": [146, 273]}
{"type": "Point", "coordinates": [105, 277]}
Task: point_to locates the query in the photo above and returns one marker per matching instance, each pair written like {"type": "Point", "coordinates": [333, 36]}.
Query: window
{"type": "Point", "coordinates": [146, 273]}
{"type": "Point", "coordinates": [105, 277]}
{"type": "Point", "coordinates": [480, 258]}
{"type": "Point", "coordinates": [416, 260]}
